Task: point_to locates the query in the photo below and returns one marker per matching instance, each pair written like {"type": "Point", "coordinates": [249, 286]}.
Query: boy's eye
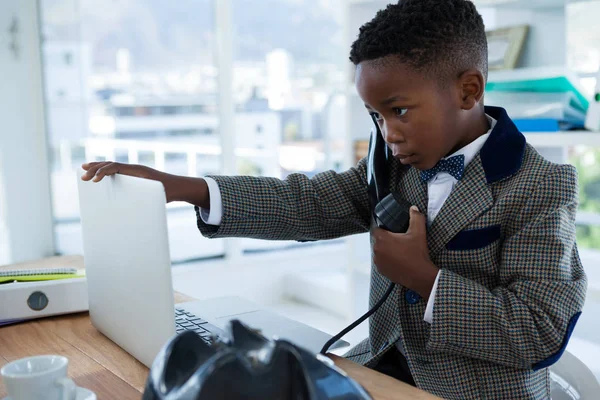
{"type": "Point", "coordinates": [400, 111]}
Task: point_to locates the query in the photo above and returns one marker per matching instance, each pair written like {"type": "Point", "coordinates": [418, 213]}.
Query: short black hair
{"type": "Point", "coordinates": [443, 37]}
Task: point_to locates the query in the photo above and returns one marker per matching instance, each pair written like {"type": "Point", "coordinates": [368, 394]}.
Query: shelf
{"type": "Point", "coordinates": [525, 4]}
{"type": "Point", "coordinates": [563, 139]}
{"type": "Point", "coordinates": [521, 4]}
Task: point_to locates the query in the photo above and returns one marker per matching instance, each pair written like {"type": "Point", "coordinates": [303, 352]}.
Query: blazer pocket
{"type": "Point", "coordinates": [473, 239]}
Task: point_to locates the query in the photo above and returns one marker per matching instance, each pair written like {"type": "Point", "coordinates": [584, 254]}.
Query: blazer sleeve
{"type": "Point", "coordinates": [327, 206]}
{"type": "Point", "coordinates": [527, 320]}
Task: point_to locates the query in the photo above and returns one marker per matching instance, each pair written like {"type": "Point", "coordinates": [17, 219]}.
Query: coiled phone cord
{"type": "Point", "coordinates": [360, 320]}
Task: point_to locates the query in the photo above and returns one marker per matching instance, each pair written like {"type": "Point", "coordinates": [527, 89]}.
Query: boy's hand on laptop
{"type": "Point", "coordinates": [177, 188]}
{"type": "Point", "coordinates": [404, 257]}
{"type": "Point", "coordinates": [97, 170]}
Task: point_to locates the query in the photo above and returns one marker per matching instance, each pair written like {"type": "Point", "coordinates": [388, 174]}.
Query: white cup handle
{"type": "Point", "coordinates": [68, 388]}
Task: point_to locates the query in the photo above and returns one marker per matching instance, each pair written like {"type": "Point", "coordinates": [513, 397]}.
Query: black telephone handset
{"type": "Point", "coordinates": [389, 210]}
{"type": "Point", "coordinates": [378, 173]}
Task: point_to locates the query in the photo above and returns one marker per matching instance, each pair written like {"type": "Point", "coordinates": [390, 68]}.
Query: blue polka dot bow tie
{"type": "Point", "coordinates": [455, 166]}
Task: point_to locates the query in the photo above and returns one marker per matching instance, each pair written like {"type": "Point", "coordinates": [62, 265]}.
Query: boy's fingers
{"type": "Point", "coordinates": [106, 170]}
{"type": "Point", "coordinates": [89, 165]}
{"type": "Point", "coordinates": [98, 170]}
{"type": "Point", "coordinates": [380, 233]}
{"type": "Point", "coordinates": [417, 221]}
{"type": "Point", "coordinates": [91, 169]}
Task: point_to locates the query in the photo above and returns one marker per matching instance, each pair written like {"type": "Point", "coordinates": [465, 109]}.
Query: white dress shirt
{"type": "Point", "coordinates": [438, 190]}
{"type": "Point", "coordinates": [214, 214]}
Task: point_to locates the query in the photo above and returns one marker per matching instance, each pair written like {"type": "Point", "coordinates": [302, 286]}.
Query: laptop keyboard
{"type": "Point", "coordinates": [186, 321]}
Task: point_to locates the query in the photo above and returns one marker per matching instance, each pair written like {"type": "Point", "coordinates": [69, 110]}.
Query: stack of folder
{"type": "Point", "coordinates": [547, 99]}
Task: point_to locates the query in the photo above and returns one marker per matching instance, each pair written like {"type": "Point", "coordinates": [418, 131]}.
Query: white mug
{"type": "Point", "coordinates": [37, 378]}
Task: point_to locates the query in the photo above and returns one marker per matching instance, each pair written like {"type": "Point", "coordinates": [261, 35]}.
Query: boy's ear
{"type": "Point", "coordinates": [471, 85]}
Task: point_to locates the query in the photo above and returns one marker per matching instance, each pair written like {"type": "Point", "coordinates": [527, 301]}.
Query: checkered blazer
{"type": "Point", "coordinates": [511, 285]}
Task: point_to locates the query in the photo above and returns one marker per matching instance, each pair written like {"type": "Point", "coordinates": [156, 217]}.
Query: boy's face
{"type": "Point", "coordinates": [418, 118]}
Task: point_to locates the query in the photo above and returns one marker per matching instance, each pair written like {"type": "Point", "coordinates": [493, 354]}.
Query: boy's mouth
{"type": "Point", "coordinates": [405, 158]}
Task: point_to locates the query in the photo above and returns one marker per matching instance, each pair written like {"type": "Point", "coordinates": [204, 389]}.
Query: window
{"type": "Point", "coordinates": [289, 60]}
{"type": "Point", "coordinates": [124, 83]}
{"type": "Point", "coordinates": [142, 77]}
{"type": "Point", "coordinates": [583, 37]}
{"type": "Point", "coordinates": [583, 56]}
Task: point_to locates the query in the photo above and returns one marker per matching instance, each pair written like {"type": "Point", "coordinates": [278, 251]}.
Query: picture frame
{"type": "Point", "coordinates": [505, 46]}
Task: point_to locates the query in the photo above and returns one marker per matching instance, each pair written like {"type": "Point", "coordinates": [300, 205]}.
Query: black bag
{"type": "Point", "coordinates": [245, 366]}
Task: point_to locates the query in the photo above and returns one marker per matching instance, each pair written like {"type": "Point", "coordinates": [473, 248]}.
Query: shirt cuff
{"type": "Point", "coordinates": [214, 214]}
{"type": "Point", "coordinates": [429, 310]}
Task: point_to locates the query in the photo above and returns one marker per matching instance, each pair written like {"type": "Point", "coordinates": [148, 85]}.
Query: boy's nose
{"type": "Point", "coordinates": [394, 136]}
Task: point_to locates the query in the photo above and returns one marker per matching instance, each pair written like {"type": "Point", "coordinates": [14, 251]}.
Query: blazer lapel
{"type": "Point", "coordinates": [471, 197]}
{"type": "Point", "coordinates": [407, 181]}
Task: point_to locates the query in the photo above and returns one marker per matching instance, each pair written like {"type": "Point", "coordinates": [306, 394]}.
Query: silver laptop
{"type": "Point", "coordinates": [128, 267]}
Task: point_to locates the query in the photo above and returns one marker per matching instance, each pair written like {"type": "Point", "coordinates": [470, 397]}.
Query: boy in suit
{"type": "Point", "coordinates": [489, 281]}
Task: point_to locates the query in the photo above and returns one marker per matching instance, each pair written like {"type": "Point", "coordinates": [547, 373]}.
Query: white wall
{"type": "Point", "coordinates": [5, 253]}
{"type": "Point", "coordinates": [25, 213]}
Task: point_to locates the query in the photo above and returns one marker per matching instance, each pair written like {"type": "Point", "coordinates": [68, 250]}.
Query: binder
{"type": "Point", "coordinates": [21, 301]}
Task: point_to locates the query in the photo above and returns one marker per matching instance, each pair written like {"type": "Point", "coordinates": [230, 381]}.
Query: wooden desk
{"type": "Point", "coordinates": [97, 363]}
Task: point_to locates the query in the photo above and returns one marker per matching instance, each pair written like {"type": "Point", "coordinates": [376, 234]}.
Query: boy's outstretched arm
{"type": "Point", "coordinates": [527, 320]}
{"type": "Point", "coordinates": [327, 206]}
{"type": "Point", "coordinates": [177, 188]}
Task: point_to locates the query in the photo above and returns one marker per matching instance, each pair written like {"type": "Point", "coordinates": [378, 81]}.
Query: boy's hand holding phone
{"type": "Point", "coordinates": [404, 257]}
